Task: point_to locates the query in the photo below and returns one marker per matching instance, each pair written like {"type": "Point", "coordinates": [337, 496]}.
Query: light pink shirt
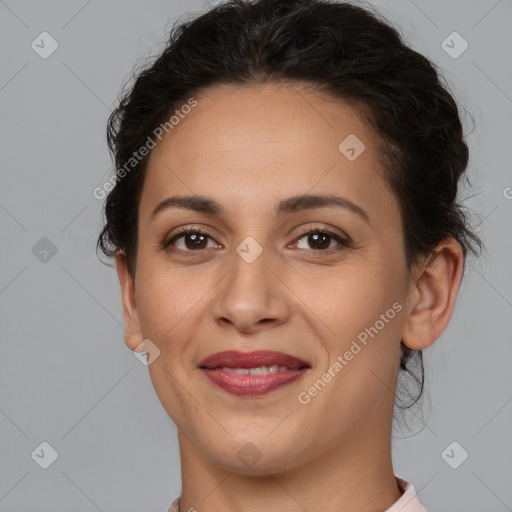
{"type": "Point", "coordinates": [408, 502]}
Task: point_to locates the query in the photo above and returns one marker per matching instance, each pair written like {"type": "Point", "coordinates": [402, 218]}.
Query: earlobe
{"type": "Point", "coordinates": [432, 301]}
{"type": "Point", "coordinates": [132, 333]}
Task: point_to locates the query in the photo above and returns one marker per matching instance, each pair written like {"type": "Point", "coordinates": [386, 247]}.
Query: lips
{"type": "Point", "coordinates": [235, 359]}
{"type": "Point", "coordinates": [252, 373]}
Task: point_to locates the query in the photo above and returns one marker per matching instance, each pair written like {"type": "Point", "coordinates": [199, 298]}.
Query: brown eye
{"type": "Point", "coordinates": [190, 240]}
{"type": "Point", "coordinates": [194, 241]}
{"type": "Point", "coordinates": [321, 240]}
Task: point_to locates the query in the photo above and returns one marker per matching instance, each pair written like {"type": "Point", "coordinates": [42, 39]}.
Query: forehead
{"type": "Point", "coordinates": [250, 144]}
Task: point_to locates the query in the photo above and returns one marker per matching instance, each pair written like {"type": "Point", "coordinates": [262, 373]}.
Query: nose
{"type": "Point", "coordinates": [252, 297]}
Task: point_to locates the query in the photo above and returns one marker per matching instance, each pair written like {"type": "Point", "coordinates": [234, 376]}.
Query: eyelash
{"type": "Point", "coordinates": [167, 244]}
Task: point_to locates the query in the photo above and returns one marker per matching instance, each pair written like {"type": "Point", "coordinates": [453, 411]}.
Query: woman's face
{"type": "Point", "coordinates": [256, 283]}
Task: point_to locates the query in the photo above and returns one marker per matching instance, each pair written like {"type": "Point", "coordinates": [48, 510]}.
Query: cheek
{"type": "Point", "coordinates": [350, 299]}
{"type": "Point", "coordinates": [170, 302]}
{"type": "Point", "coordinates": [165, 292]}
{"type": "Point", "coordinates": [171, 305]}
{"type": "Point", "coordinates": [363, 310]}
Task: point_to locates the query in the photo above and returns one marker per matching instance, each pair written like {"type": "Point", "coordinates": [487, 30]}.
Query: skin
{"type": "Point", "coordinates": [248, 148]}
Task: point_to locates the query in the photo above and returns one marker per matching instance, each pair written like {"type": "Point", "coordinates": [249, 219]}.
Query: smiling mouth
{"type": "Point", "coordinates": [252, 373]}
{"type": "Point", "coordinates": [258, 370]}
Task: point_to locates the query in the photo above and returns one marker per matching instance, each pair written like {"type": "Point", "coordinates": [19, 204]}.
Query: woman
{"type": "Point", "coordinates": [287, 237]}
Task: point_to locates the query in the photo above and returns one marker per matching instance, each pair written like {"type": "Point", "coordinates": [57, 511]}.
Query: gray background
{"type": "Point", "coordinates": [67, 377]}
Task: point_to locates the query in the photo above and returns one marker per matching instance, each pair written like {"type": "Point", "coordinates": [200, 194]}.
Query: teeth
{"type": "Point", "coordinates": [261, 370]}
{"type": "Point", "coordinates": [240, 371]}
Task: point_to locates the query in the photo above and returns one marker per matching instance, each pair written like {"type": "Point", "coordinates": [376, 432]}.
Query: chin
{"type": "Point", "coordinates": [256, 458]}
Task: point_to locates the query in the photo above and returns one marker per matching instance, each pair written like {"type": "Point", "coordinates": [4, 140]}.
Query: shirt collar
{"type": "Point", "coordinates": [408, 502]}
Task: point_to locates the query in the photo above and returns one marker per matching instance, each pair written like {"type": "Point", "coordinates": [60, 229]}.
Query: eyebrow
{"type": "Point", "coordinates": [293, 204]}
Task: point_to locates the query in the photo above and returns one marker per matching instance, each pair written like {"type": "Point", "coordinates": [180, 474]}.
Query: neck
{"type": "Point", "coordinates": [354, 475]}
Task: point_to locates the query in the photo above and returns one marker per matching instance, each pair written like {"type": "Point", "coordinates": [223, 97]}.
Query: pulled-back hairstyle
{"type": "Point", "coordinates": [351, 53]}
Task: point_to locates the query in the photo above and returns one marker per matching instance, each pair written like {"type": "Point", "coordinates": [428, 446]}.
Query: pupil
{"type": "Point", "coordinates": [317, 236]}
{"type": "Point", "coordinates": [196, 239]}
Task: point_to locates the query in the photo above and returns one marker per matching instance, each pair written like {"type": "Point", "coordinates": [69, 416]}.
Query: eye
{"type": "Point", "coordinates": [193, 241]}
{"type": "Point", "coordinates": [320, 239]}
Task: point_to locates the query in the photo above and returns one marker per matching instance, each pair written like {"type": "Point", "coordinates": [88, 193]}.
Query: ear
{"type": "Point", "coordinates": [431, 302]}
{"type": "Point", "coordinates": [132, 333]}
